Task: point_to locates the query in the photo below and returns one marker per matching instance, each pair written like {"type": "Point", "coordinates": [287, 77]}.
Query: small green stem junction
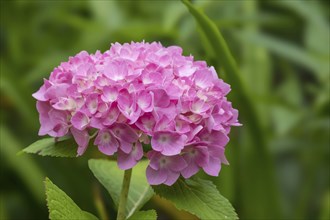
{"type": "Point", "coordinates": [123, 195]}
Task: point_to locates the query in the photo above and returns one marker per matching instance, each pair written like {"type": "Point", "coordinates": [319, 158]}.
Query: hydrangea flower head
{"type": "Point", "coordinates": [138, 94]}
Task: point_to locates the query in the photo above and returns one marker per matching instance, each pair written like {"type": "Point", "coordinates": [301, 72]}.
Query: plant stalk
{"type": "Point", "coordinates": [123, 195]}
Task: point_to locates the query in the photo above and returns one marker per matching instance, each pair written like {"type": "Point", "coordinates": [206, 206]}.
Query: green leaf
{"type": "Point", "coordinates": [199, 197]}
{"type": "Point", "coordinates": [145, 215]}
{"type": "Point", "coordinates": [50, 147]}
{"type": "Point", "coordinates": [111, 177]}
{"type": "Point", "coordinates": [61, 206]}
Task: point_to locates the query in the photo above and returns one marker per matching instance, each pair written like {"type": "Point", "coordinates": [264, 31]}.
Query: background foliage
{"type": "Point", "coordinates": [282, 50]}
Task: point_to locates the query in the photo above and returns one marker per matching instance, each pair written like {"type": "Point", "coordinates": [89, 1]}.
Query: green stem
{"type": "Point", "coordinates": [123, 195]}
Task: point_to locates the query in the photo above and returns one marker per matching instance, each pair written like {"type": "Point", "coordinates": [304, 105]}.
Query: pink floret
{"type": "Point", "coordinates": [141, 93]}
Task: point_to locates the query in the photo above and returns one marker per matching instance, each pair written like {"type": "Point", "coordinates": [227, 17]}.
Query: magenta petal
{"type": "Point", "coordinates": [106, 142]}
{"type": "Point", "coordinates": [124, 132]}
{"type": "Point", "coordinates": [177, 163]}
{"type": "Point", "coordinates": [96, 123]}
{"type": "Point", "coordinates": [203, 78]}
{"type": "Point", "coordinates": [146, 123]}
{"type": "Point", "coordinates": [110, 94]}
{"type": "Point", "coordinates": [65, 104]}
{"type": "Point", "coordinates": [156, 177]}
{"type": "Point", "coordinates": [190, 170]}
{"type": "Point", "coordinates": [127, 106]}
{"type": "Point", "coordinates": [215, 137]}
{"type": "Point", "coordinates": [116, 70]}
{"type": "Point", "coordinates": [202, 158]}
{"type": "Point", "coordinates": [59, 130]}
{"type": "Point", "coordinates": [172, 177]}
{"type": "Point", "coordinates": [164, 124]}
{"type": "Point", "coordinates": [125, 161]}
{"type": "Point", "coordinates": [111, 116]}
{"type": "Point", "coordinates": [137, 151]}
{"type": "Point", "coordinates": [43, 107]}
{"type": "Point", "coordinates": [92, 103]}
{"type": "Point", "coordinates": [126, 147]}
{"type": "Point", "coordinates": [213, 167]}
{"type": "Point", "coordinates": [40, 94]}
{"type": "Point", "coordinates": [161, 99]}
{"type": "Point", "coordinates": [80, 120]}
{"type": "Point", "coordinates": [168, 143]}
{"type": "Point", "coordinates": [145, 101]}
{"type": "Point", "coordinates": [57, 90]}
{"type": "Point", "coordinates": [82, 139]}
{"type": "Point", "coordinates": [154, 157]}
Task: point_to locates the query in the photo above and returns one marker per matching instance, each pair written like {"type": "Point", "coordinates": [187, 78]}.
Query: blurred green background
{"type": "Point", "coordinates": [282, 50]}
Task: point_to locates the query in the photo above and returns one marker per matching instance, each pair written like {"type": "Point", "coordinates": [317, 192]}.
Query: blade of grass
{"type": "Point", "coordinates": [285, 49]}
{"type": "Point", "coordinates": [25, 167]}
{"type": "Point", "coordinates": [265, 191]}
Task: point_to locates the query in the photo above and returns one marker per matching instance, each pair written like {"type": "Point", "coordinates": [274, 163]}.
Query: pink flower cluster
{"type": "Point", "coordinates": [141, 93]}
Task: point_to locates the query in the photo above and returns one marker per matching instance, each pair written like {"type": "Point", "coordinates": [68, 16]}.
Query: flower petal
{"type": "Point", "coordinates": [156, 177]}
{"type": "Point", "coordinates": [172, 177]}
{"type": "Point", "coordinates": [125, 161]}
{"type": "Point", "coordinates": [213, 167]}
{"type": "Point", "coordinates": [80, 120]}
{"type": "Point", "coordinates": [82, 139]}
{"type": "Point", "coordinates": [169, 143]}
{"type": "Point", "coordinates": [124, 133]}
{"type": "Point", "coordinates": [145, 101]}
{"type": "Point", "coordinates": [106, 142]}
{"type": "Point", "coordinates": [116, 70]}
{"type": "Point", "coordinates": [176, 163]}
